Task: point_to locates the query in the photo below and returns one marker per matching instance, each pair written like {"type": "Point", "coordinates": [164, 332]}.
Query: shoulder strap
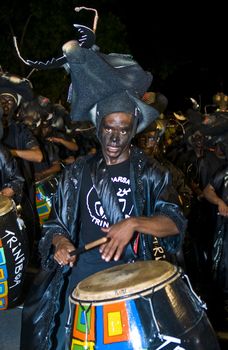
{"type": "Point", "coordinates": [104, 188]}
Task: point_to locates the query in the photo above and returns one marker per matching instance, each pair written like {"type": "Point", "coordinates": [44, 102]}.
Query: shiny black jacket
{"type": "Point", "coordinates": [9, 173]}
{"type": "Point", "coordinates": [219, 182]}
{"type": "Point", "coordinates": [18, 136]}
{"type": "Point", "coordinates": [153, 194]}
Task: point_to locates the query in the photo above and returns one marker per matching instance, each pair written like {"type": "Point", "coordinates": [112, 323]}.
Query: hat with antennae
{"type": "Point", "coordinates": [103, 83]}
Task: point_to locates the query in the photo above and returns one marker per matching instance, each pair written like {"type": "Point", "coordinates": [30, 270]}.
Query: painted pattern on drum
{"type": "Point", "coordinates": [43, 204]}
{"type": "Point", "coordinates": [119, 326]}
{"type": "Point", "coordinates": [45, 191]}
{"type": "Point", "coordinates": [3, 279]}
{"type": "Point", "coordinates": [13, 260]}
{"type": "Point", "coordinates": [112, 326]}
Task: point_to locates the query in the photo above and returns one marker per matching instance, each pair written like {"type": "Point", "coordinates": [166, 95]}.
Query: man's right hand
{"type": "Point", "coordinates": [63, 247]}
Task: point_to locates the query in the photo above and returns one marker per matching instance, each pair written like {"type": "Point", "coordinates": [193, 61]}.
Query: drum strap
{"type": "Point", "coordinates": [104, 188]}
{"type": "Point", "coordinates": [136, 243]}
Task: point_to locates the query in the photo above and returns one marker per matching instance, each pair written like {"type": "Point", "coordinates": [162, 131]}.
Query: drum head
{"type": "Point", "coordinates": [6, 205]}
{"type": "Point", "coordinates": [124, 281]}
{"type": "Point", "coordinates": [45, 179]}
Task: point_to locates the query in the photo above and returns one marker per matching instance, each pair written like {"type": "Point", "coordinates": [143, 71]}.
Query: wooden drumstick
{"type": "Point", "coordinates": [90, 246]}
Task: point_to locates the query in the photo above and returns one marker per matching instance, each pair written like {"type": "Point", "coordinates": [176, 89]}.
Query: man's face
{"type": "Point", "coordinates": [8, 104]}
{"type": "Point", "coordinates": [197, 140]}
{"type": "Point", "coordinates": [116, 134]}
{"type": "Point", "coordinates": [151, 142]}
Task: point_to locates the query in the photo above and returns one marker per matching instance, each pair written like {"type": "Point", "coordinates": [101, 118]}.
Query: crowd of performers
{"type": "Point", "coordinates": [194, 145]}
{"type": "Point", "coordinates": [38, 140]}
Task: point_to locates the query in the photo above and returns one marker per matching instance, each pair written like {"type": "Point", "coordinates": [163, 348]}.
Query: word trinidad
{"type": "Point", "coordinates": [12, 263]}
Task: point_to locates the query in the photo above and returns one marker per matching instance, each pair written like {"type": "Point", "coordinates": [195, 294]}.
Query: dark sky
{"type": "Point", "coordinates": [186, 42]}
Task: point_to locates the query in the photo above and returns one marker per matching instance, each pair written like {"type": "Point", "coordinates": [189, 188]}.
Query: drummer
{"type": "Point", "coordinates": [116, 193]}
{"type": "Point", "coordinates": [22, 144]}
{"type": "Point", "coordinates": [11, 181]}
{"type": "Point", "coordinates": [51, 163]}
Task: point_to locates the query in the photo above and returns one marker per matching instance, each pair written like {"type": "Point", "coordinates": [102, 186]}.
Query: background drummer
{"type": "Point", "coordinates": [11, 181]}
{"type": "Point", "coordinates": [51, 163]}
{"type": "Point", "coordinates": [22, 144]}
{"type": "Point", "coordinates": [46, 122]}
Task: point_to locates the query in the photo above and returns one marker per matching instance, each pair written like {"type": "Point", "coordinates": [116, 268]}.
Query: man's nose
{"type": "Point", "coordinates": [114, 137]}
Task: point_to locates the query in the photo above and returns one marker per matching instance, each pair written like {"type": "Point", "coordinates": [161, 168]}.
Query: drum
{"type": "Point", "coordinates": [142, 305]}
{"type": "Point", "coordinates": [45, 190]}
{"type": "Point", "coordinates": [13, 254]}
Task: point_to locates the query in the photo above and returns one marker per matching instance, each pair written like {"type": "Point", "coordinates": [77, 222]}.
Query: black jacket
{"type": "Point", "coordinates": [10, 175]}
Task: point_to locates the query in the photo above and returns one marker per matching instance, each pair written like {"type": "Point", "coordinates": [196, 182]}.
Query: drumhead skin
{"type": "Point", "coordinates": [6, 205]}
{"type": "Point", "coordinates": [123, 281]}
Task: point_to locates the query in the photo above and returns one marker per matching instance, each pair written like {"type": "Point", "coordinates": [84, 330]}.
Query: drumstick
{"type": "Point", "coordinates": [90, 246]}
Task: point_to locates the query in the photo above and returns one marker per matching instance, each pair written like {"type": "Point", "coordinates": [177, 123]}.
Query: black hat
{"type": "Point", "coordinates": [96, 76]}
{"type": "Point", "coordinates": [102, 84]}
{"type": "Point", "coordinates": [19, 88]}
{"type": "Point", "coordinates": [124, 102]}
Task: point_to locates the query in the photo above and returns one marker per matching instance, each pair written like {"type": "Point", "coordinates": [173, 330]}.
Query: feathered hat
{"type": "Point", "coordinates": [19, 88]}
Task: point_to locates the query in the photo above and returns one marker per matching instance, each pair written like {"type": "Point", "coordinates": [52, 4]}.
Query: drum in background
{"type": "Point", "coordinates": [13, 254]}
{"type": "Point", "coordinates": [142, 305]}
{"type": "Point", "coordinates": [45, 189]}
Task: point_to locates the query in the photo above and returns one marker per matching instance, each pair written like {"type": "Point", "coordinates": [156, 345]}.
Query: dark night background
{"type": "Point", "coordinates": [183, 46]}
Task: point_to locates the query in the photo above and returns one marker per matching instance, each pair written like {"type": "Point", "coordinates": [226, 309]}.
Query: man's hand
{"type": "Point", "coordinates": [8, 192]}
{"type": "Point", "coordinates": [62, 249]}
{"type": "Point", "coordinates": [120, 234]}
{"type": "Point", "coordinates": [222, 208]}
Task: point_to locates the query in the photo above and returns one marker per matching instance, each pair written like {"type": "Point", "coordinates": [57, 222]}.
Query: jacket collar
{"type": "Point", "coordinates": [105, 189]}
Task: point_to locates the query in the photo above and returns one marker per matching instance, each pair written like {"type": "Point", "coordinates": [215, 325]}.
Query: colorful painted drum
{"type": "Point", "coordinates": [13, 254]}
{"type": "Point", "coordinates": [143, 305]}
{"type": "Point", "coordinates": [45, 189]}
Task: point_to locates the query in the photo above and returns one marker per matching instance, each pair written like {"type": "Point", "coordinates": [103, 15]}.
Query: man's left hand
{"type": "Point", "coordinates": [120, 234]}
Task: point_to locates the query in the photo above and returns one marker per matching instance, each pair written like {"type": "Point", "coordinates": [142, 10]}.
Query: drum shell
{"type": "Point", "coordinates": [13, 259]}
{"type": "Point", "coordinates": [45, 189]}
{"type": "Point", "coordinates": [172, 313]}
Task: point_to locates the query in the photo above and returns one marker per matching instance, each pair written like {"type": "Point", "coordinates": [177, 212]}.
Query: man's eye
{"type": "Point", "coordinates": [123, 132]}
{"type": "Point", "coordinates": [108, 130]}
